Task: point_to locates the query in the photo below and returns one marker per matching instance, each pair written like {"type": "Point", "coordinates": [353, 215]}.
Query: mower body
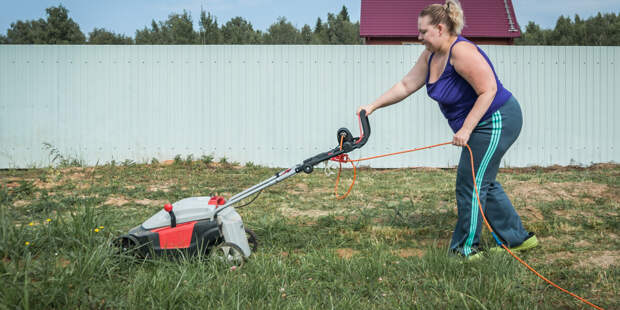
{"type": "Point", "coordinates": [193, 224]}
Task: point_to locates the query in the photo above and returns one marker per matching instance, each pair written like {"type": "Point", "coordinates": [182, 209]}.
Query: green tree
{"type": "Point", "coordinates": [58, 28]}
{"type": "Point", "coordinates": [533, 35]}
{"type": "Point", "coordinates": [614, 34]}
{"type": "Point", "coordinates": [178, 29]}
{"type": "Point", "coordinates": [239, 31]}
{"type": "Point", "coordinates": [27, 32]}
{"type": "Point", "coordinates": [340, 30]}
{"type": "Point", "coordinates": [209, 31]}
{"type": "Point", "coordinates": [579, 32]}
{"type": "Point", "coordinates": [150, 36]}
{"type": "Point", "coordinates": [306, 34]}
{"type": "Point", "coordinates": [602, 29]}
{"type": "Point", "coordinates": [61, 29]}
{"type": "Point", "coordinates": [344, 14]}
{"type": "Point", "coordinates": [595, 29]}
{"type": "Point", "coordinates": [3, 39]}
{"type": "Point", "coordinates": [103, 36]}
{"type": "Point", "coordinates": [282, 32]}
{"type": "Point", "coordinates": [320, 35]}
{"type": "Point", "coordinates": [563, 32]}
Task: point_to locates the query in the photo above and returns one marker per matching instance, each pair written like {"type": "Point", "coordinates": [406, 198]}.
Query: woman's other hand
{"type": "Point", "coordinates": [369, 109]}
{"type": "Point", "coordinates": [461, 137]}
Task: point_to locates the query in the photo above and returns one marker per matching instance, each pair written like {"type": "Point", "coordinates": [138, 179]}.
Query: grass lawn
{"type": "Point", "coordinates": [383, 247]}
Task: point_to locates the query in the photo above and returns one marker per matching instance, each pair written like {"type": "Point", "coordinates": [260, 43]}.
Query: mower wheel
{"type": "Point", "coordinates": [252, 239]}
{"type": "Point", "coordinates": [126, 244]}
{"type": "Point", "coordinates": [229, 253]}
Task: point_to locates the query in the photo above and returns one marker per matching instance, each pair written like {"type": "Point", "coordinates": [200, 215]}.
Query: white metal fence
{"type": "Point", "coordinates": [277, 105]}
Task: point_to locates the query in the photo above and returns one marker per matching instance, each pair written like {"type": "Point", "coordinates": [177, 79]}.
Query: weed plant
{"type": "Point", "coordinates": [384, 247]}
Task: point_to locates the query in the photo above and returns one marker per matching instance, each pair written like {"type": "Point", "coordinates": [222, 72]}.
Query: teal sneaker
{"type": "Point", "coordinates": [475, 257]}
{"type": "Point", "coordinates": [476, 254]}
{"type": "Point", "coordinates": [529, 243]}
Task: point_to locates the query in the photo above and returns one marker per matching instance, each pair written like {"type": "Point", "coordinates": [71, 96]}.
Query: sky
{"type": "Point", "coordinates": [126, 16]}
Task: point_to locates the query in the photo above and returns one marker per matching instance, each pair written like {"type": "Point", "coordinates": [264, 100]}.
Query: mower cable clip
{"type": "Point", "coordinates": [342, 158]}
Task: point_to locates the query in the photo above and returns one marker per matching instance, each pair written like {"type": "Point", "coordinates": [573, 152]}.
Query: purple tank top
{"type": "Point", "coordinates": [456, 97]}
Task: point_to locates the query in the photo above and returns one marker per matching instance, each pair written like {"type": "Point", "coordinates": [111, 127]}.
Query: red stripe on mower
{"type": "Point", "coordinates": [178, 237]}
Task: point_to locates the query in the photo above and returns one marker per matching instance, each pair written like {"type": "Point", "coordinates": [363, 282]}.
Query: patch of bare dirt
{"type": "Point", "coordinates": [308, 223]}
{"type": "Point", "coordinates": [62, 262]}
{"type": "Point", "coordinates": [323, 190]}
{"type": "Point", "coordinates": [551, 258]}
{"type": "Point", "coordinates": [531, 213]}
{"type": "Point", "coordinates": [558, 168]}
{"type": "Point", "coordinates": [346, 253]}
{"type": "Point", "coordinates": [551, 191]}
{"type": "Point", "coordinates": [83, 186]}
{"type": "Point", "coordinates": [301, 187]}
{"type": "Point", "coordinates": [602, 259]}
{"type": "Point", "coordinates": [159, 187]}
{"type": "Point", "coordinates": [410, 252]}
{"type": "Point", "coordinates": [6, 179]}
{"type": "Point", "coordinates": [583, 244]}
{"type": "Point", "coordinates": [604, 166]}
{"type": "Point", "coordinates": [572, 214]}
{"type": "Point", "coordinates": [549, 241]}
{"type": "Point", "coordinates": [290, 212]}
{"type": "Point", "coordinates": [149, 202]}
{"type": "Point", "coordinates": [46, 185]}
{"type": "Point", "coordinates": [425, 169]}
{"type": "Point", "coordinates": [11, 184]}
{"type": "Point", "coordinates": [77, 176]}
{"type": "Point", "coordinates": [438, 243]}
{"type": "Point", "coordinates": [116, 201]}
{"type": "Point", "coordinates": [578, 215]}
{"type": "Point", "coordinates": [21, 203]}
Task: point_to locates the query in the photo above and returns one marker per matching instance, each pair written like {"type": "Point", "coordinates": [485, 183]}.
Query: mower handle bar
{"type": "Point", "coordinates": [348, 144]}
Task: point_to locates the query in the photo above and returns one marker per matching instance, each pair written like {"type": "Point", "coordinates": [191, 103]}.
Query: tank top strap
{"type": "Point", "coordinates": [428, 72]}
{"type": "Point", "coordinates": [458, 39]}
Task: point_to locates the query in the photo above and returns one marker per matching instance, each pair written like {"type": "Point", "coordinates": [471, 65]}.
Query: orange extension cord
{"type": "Point", "coordinates": [345, 158]}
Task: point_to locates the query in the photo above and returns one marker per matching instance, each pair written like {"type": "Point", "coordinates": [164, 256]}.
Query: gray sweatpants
{"type": "Point", "coordinates": [489, 142]}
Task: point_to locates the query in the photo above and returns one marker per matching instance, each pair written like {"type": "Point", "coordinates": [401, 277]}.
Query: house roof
{"type": "Point", "coordinates": [398, 18]}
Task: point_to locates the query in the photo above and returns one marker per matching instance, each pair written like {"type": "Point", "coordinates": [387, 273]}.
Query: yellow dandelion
{"type": "Point", "coordinates": [96, 229]}
{"type": "Point", "coordinates": [27, 243]}
{"type": "Point", "coordinates": [100, 227]}
{"type": "Point", "coordinates": [48, 220]}
{"type": "Point", "coordinates": [31, 224]}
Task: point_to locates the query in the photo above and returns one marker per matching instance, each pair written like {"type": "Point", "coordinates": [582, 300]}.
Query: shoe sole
{"type": "Point", "coordinates": [530, 243]}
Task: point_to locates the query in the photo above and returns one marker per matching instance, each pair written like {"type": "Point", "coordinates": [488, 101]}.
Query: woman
{"type": "Point", "coordinates": [481, 112]}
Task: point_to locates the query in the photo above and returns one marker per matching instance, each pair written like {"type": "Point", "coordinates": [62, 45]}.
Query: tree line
{"type": "Point", "coordinates": [59, 28]}
{"type": "Point", "coordinates": [599, 30]}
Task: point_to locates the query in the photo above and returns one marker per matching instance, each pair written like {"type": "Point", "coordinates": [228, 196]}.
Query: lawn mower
{"type": "Point", "coordinates": [211, 224]}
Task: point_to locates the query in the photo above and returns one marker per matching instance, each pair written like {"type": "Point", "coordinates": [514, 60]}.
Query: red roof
{"type": "Point", "coordinates": [399, 18]}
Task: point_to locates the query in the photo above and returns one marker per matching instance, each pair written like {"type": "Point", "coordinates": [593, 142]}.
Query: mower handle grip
{"type": "Point", "coordinates": [365, 125]}
{"type": "Point", "coordinates": [346, 147]}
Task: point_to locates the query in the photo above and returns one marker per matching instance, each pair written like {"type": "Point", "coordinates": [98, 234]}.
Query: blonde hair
{"type": "Point", "coordinates": [449, 14]}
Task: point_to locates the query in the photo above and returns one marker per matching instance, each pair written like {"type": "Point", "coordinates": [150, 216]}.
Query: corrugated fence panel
{"type": "Point", "coordinates": [277, 105]}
